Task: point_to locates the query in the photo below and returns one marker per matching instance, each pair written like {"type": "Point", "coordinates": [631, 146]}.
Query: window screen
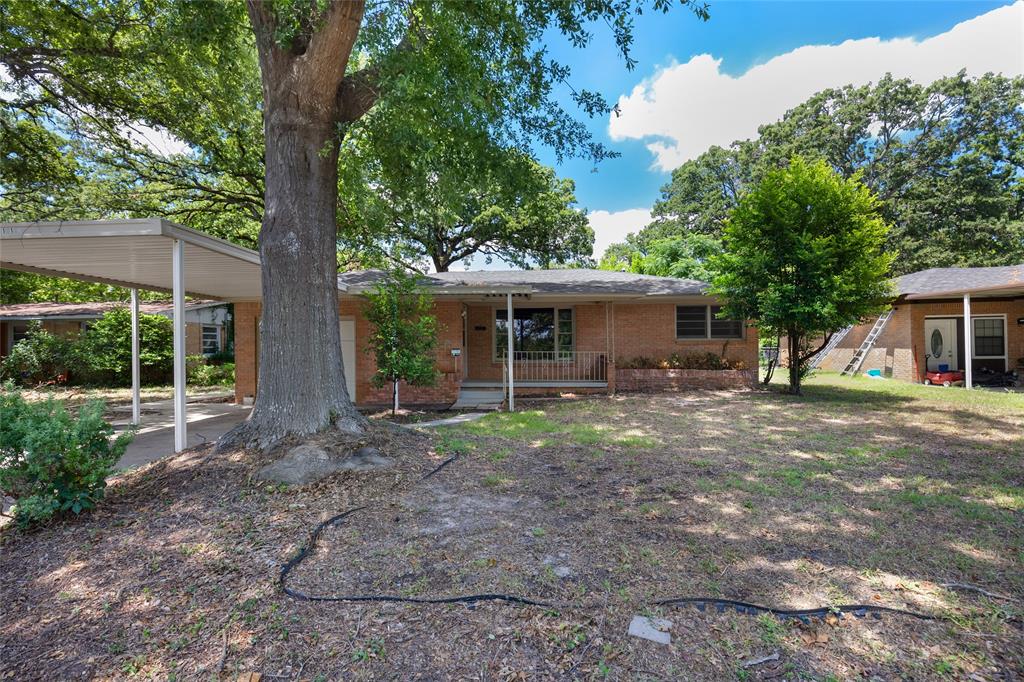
{"type": "Point", "coordinates": [724, 329]}
{"type": "Point", "coordinates": [211, 339]}
{"type": "Point", "coordinates": [691, 322]}
{"type": "Point", "coordinates": [988, 338]}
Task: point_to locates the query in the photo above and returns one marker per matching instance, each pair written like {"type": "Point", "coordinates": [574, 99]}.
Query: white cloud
{"type": "Point", "coordinates": [685, 108]}
{"type": "Point", "coordinates": [613, 226]}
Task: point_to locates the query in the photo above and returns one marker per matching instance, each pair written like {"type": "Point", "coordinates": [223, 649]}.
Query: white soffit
{"type": "Point", "coordinates": [131, 253]}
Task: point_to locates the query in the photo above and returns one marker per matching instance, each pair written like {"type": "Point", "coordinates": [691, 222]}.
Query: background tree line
{"type": "Point", "coordinates": [945, 160]}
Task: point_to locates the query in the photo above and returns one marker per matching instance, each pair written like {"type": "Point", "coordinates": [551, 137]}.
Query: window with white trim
{"type": "Point", "coordinates": [702, 322]}
{"type": "Point", "coordinates": [547, 332]}
{"type": "Point", "coordinates": [211, 339]}
{"type": "Point", "coordinates": [989, 337]}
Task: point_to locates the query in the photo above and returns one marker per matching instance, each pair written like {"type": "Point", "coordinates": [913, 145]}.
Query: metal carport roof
{"type": "Point", "coordinates": [149, 253]}
{"type": "Point", "coordinates": [133, 254]}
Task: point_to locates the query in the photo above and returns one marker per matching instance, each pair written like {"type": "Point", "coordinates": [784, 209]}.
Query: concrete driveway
{"type": "Point", "coordinates": [207, 421]}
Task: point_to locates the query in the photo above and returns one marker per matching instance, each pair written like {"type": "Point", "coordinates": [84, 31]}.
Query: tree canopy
{"type": "Point", "coordinates": [804, 256]}
{"type": "Point", "coordinates": [289, 88]}
{"type": "Point", "coordinates": [945, 160]}
{"type": "Point", "coordinates": [437, 208]}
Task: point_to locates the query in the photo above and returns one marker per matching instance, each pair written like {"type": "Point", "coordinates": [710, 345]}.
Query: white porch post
{"type": "Point", "coordinates": [968, 337]}
{"type": "Point", "coordinates": [511, 357]}
{"type": "Point", "coordinates": [178, 288]}
{"type": "Point", "coordinates": [136, 379]}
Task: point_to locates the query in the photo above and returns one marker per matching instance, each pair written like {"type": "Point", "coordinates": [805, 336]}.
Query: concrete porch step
{"type": "Point", "coordinates": [479, 398]}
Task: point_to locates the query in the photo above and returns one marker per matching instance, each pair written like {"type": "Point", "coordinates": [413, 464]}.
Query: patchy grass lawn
{"type": "Point", "coordinates": [78, 395]}
{"type": "Point", "coordinates": [859, 492]}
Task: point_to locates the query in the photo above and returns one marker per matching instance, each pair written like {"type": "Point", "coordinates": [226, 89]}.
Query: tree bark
{"type": "Point", "coordinates": [301, 377]}
{"type": "Point", "coordinates": [794, 361]}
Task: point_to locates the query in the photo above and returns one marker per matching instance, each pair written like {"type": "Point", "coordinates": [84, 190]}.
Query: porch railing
{"type": "Point", "coordinates": [560, 366]}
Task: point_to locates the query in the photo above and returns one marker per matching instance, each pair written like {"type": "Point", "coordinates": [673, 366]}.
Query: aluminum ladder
{"type": "Point", "coordinates": [858, 357]}
{"type": "Point", "coordinates": [830, 346]}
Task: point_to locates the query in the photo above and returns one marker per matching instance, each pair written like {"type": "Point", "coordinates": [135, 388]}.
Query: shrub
{"type": "Point", "coordinates": [201, 372]}
{"type": "Point", "coordinates": [107, 349]}
{"type": "Point", "coordinates": [688, 361]}
{"type": "Point", "coordinates": [39, 358]}
{"type": "Point", "coordinates": [52, 462]}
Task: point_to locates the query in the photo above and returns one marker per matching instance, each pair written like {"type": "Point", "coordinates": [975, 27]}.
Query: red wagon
{"type": "Point", "coordinates": [944, 378]}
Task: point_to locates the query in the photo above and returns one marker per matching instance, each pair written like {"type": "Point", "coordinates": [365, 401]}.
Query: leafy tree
{"type": "Point", "coordinates": [327, 69]}
{"type": "Point", "coordinates": [403, 333]}
{"type": "Point", "coordinates": [26, 287]}
{"type": "Point", "coordinates": [804, 256]}
{"type": "Point", "coordinates": [106, 348]}
{"type": "Point", "coordinates": [945, 161]}
{"type": "Point", "coordinates": [447, 210]}
{"type": "Point", "coordinates": [689, 256]}
{"type": "Point", "coordinates": [39, 358]}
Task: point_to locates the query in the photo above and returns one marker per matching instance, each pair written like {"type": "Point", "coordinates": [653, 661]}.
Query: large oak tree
{"type": "Point", "coordinates": [103, 67]}
{"type": "Point", "coordinates": [946, 161]}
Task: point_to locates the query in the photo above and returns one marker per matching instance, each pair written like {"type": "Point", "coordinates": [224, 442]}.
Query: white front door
{"type": "Point", "coordinates": [940, 344]}
{"type": "Point", "coordinates": [348, 356]}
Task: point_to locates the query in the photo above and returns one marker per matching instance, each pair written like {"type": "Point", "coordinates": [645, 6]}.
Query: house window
{"type": "Point", "coordinates": [691, 321]}
{"type": "Point", "coordinates": [211, 339]}
{"type": "Point", "coordinates": [989, 338]}
{"type": "Point", "coordinates": [701, 322]}
{"type": "Point", "coordinates": [724, 328]}
{"type": "Point", "coordinates": [19, 331]}
{"type": "Point", "coordinates": [539, 330]}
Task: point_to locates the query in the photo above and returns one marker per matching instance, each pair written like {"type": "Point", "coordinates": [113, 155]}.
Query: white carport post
{"type": "Point", "coordinates": [178, 294]}
{"type": "Point", "coordinates": [136, 379]}
{"type": "Point", "coordinates": [968, 337]}
{"type": "Point", "coordinates": [511, 357]}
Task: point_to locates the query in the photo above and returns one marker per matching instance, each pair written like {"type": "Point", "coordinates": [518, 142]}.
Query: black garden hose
{"type": "Point", "coordinates": [857, 610]}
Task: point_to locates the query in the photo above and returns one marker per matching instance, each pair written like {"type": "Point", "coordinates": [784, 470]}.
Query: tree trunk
{"type": "Point", "coordinates": [301, 387]}
{"type": "Point", "coordinates": [394, 395]}
{"type": "Point", "coordinates": [794, 362]}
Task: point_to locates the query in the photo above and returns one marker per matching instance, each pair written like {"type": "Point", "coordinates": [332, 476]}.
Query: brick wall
{"type": "Point", "coordinates": [900, 350]}
{"type": "Point", "coordinates": [646, 329]}
{"type": "Point", "coordinates": [449, 336]}
{"type": "Point", "coordinates": [449, 318]}
{"type": "Point", "coordinates": [649, 330]}
{"type": "Point", "coordinates": [661, 380]}
{"type": "Point", "coordinates": [1012, 309]}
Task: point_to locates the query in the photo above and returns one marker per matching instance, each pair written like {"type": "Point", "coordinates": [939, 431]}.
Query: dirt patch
{"type": "Point", "coordinates": [600, 507]}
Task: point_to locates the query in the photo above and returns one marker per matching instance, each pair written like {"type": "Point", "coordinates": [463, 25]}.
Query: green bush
{"type": "Point", "coordinates": [39, 358]}
{"type": "Point", "coordinates": [52, 462]}
{"type": "Point", "coordinates": [106, 349]}
{"type": "Point", "coordinates": [688, 361]}
{"type": "Point", "coordinates": [201, 372]}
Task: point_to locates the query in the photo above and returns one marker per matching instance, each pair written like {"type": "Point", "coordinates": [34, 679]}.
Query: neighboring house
{"type": "Point", "coordinates": [573, 330]}
{"type": "Point", "coordinates": [205, 321]}
{"type": "Point", "coordinates": [926, 327]}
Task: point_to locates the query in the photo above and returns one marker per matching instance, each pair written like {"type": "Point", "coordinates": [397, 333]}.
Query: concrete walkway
{"type": "Point", "coordinates": [459, 419]}
{"type": "Point", "coordinates": [207, 421]}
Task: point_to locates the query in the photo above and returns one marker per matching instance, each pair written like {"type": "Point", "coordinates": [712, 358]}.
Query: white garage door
{"type": "Point", "coordinates": [348, 355]}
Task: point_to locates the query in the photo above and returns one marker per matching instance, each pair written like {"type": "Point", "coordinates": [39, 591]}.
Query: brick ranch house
{"type": "Point", "coordinates": [573, 331]}
{"type": "Point", "coordinates": [206, 322]}
{"type": "Point", "coordinates": [927, 327]}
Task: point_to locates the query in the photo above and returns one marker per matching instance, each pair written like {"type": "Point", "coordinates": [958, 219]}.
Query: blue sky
{"type": "Point", "coordinates": [667, 108]}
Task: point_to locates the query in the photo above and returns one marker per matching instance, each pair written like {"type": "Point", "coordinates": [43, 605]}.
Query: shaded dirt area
{"type": "Point", "coordinates": [600, 507]}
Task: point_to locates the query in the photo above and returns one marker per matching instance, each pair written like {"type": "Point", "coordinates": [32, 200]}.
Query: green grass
{"type": "Point", "coordinates": [830, 385]}
{"type": "Point", "coordinates": [538, 425]}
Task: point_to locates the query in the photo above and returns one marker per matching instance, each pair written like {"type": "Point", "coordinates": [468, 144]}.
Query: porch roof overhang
{"type": "Point", "coordinates": [1012, 290]}
{"type": "Point", "coordinates": [131, 253]}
